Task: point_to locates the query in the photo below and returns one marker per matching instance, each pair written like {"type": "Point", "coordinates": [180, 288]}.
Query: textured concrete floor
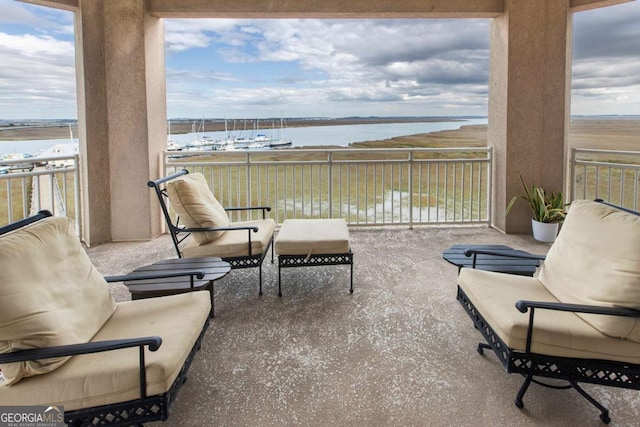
{"type": "Point", "coordinates": [400, 351]}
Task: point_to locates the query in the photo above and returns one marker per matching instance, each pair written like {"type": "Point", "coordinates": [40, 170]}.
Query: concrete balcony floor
{"type": "Point", "coordinates": [400, 351]}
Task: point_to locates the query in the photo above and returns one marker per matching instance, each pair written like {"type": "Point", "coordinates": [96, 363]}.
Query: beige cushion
{"type": "Point", "coordinates": [192, 199]}
{"type": "Point", "coordinates": [556, 333]}
{"type": "Point", "coordinates": [313, 237]}
{"type": "Point", "coordinates": [596, 260]}
{"type": "Point", "coordinates": [234, 243]}
{"type": "Point", "coordinates": [50, 294]}
{"type": "Point", "coordinates": [113, 376]}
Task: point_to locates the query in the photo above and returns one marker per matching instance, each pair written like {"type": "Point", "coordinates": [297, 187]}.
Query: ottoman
{"type": "Point", "coordinates": [313, 242]}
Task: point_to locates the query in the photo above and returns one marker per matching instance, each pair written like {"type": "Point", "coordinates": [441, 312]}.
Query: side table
{"type": "Point", "coordinates": [498, 258]}
{"type": "Point", "coordinates": [213, 267]}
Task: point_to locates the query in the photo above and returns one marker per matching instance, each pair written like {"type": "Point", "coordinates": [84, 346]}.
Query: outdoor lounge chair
{"type": "Point", "coordinates": [579, 319]}
{"type": "Point", "coordinates": [64, 342]}
{"type": "Point", "coordinates": [242, 244]}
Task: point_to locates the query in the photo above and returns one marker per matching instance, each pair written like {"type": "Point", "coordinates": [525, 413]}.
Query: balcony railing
{"type": "Point", "coordinates": [365, 186]}
{"type": "Point", "coordinates": [605, 174]}
{"type": "Point", "coordinates": [30, 185]}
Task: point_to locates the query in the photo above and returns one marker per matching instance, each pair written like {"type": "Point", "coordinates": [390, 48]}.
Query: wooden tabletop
{"type": "Point", "coordinates": [212, 267]}
{"type": "Point", "coordinates": [505, 260]}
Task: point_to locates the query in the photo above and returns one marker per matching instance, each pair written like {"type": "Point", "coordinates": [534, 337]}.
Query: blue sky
{"type": "Point", "coordinates": [336, 68]}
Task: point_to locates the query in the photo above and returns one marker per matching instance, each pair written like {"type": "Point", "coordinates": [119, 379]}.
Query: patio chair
{"type": "Point", "coordinates": [65, 342]}
{"type": "Point", "coordinates": [242, 244]}
{"type": "Point", "coordinates": [579, 319]}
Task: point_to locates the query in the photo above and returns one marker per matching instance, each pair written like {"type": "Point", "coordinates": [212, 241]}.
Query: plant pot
{"type": "Point", "coordinates": [544, 231]}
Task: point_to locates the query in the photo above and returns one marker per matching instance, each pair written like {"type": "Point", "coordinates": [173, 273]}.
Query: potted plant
{"type": "Point", "coordinates": [548, 210]}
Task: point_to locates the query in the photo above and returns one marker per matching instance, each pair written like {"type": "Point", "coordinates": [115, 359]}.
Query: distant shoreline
{"type": "Point", "coordinates": [61, 131]}
{"type": "Point", "coordinates": [620, 133]}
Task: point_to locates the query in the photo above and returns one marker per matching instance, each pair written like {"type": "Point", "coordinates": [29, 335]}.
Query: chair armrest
{"type": "Point", "coordinates": [24, 222]}
{"type": "Point", "coordinates": [231, 227]}
{"type": "Point", "coordinates": [157, 182]}
{"type": "Point", "coordinates": [522, 255]}
{"type": "Point", "coordinates": [152, 342]}
{"type": "Point", "coordinates": [264, 209]}
{"type": "Point", "coordinates": [249, 208]}
{"type": "Point", "coordinates": [523, 307]}
{"type": "Point", "coordinates": [154, 275]}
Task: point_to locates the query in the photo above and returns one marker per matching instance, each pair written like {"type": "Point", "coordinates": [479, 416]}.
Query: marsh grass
{"type": "Point", "coordinates": [13, 194]}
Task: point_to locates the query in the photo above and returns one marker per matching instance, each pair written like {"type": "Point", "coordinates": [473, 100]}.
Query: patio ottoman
{"type": "Point", "coordinates": [313, 242]}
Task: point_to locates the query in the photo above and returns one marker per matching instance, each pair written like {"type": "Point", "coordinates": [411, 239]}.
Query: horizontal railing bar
{"type": "Point", "coordinates": [602, 151]}
{"type": "Point", "coordinates": [608, 164]}
{"type": "Point", "coordinates": [35, 160]}
{"type": "Point", "coordinates": [173, 163]}
{"type": "Point", "coordinates": [15, 175]}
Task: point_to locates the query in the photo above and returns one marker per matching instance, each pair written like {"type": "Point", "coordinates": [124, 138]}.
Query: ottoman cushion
{"type": "Point", "coordinates": [313, 237]}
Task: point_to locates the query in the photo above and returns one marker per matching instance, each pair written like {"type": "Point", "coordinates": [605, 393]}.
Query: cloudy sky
{"type": "Point", "coordinates": [336, 68]}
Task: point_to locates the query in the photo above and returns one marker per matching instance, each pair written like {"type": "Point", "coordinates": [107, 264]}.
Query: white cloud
{"type": "Point", "coordinates": [37, 78]}
{"type": "Point", "coordinates": [181, 41]}
{"type": "Point", "coordinates": [355, 61]}
{"type": "Point", "coordinates": [319, 67]}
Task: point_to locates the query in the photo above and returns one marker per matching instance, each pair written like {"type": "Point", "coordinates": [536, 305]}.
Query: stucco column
{"type": "Point", "coordinates": [122, 100]}
{"type": "Point", "coordinates": [529, 92]}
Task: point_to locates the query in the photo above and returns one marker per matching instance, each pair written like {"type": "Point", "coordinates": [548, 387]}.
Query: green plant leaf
{"type": "Point", "coordinates": [545, 207]}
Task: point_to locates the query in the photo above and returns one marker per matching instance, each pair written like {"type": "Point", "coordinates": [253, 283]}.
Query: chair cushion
{"type": "Point", "coordinates": [595, 261]}
{"type": "Point", "coordinates": [113, 376]}
{"type": "Point", "coordinates": [192, 199]}
{"type": "Point", "coordinates": [556, 333]}
{"type": "Point", "coordinates": [50, 294]}
{"type": "Point", "coordinates": [234, 243]}
{"type": "Point", "coordinates": [313, 237]}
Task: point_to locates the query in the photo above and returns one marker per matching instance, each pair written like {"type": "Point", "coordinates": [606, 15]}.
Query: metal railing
{"type": "Point", "coordinates": [30, 185]}
{"type": "Point", "coordinates": [606, 174]}
{"type": "Point", "coordinates": [364, 186]}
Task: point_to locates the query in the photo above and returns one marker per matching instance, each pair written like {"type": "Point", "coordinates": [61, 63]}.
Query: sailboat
{"type": "Point", "coordinates": [171, 144]}
{"type": "Point", "coordinates": [280, 142]}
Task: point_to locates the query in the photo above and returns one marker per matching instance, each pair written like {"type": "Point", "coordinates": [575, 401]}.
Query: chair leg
{"type": "Point", "coordinates": [271, 251]}
{"type": "Point", "coordinates": [279, 279]}
{"type": "Point", "coordinates": [523, 390]}
{"type": "Point", "coordinates": [260, 279]}
{"type": "Point", "coordinates": [604, 412]}
{"type": "Point", "coordinates": [351, 288]}
{"type": "Point", "coordinates": [482, 346]}
{"type": "Point", "coordinates": [211, 292]}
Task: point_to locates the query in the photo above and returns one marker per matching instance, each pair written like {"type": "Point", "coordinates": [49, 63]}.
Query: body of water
{"type": "Point", "coordinates": [313, 136]}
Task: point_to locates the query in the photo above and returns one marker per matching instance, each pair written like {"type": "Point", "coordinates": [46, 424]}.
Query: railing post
{"type": "Point", "coordinates": [490, 187]}
{"type": "Point", "coordinates": [248, 183]}
{"type": "Point", "coordinates": [10, 201]}
{"type": "Point", "coordinates": [410, 186]}
{"type": "Point", "coordinates": [76, 191]}
{"type": "Point", "coordinates": [572, 174]}
{"type": "Point", "coordinates": [330, 186]}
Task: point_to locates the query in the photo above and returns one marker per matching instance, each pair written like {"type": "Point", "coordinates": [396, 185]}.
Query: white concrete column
{"type": "Point", "coordinates": [529, 90]}
{"type": "Point", "coordinates": [123, 116]}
